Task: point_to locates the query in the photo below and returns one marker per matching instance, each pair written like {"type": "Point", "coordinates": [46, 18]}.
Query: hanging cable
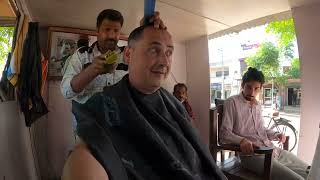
{"type": "Point", "coordinates": [174, 78]}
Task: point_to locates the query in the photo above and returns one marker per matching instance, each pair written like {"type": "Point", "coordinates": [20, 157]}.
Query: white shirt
{"type": "Point", "coordinates": [75, 66]}
{"type": "Point", "coordinates": [241, 120]}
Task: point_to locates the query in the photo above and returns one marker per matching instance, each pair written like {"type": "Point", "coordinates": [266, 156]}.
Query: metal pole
{"type": "Point", "coordinates": [272, 93]}
{"type": "Point", "coordinates": [222, 86]}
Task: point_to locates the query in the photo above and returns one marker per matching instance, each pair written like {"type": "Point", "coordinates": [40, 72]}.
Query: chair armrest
{"type": "Point", "coordinates": [230, 147]}
{"type": "Point", "coordinates": [267, 151]}
{"type": "Point", "coordinates": [260, 150]}
{"type": "Point", "coordinates": [264, 150]}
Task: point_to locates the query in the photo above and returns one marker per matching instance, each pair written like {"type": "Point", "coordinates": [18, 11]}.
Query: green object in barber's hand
{"type": "Point", "coordinates": [111, 57]}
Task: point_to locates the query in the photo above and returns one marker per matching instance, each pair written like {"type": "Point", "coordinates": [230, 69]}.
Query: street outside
{"type": "Point", "coordinates": [288, 112]}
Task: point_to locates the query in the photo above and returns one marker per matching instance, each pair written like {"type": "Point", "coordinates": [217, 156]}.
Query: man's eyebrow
{"type": "Point", "coordinates": [155, 43]}
{"type": "Point", "coordinates": [159, 44]}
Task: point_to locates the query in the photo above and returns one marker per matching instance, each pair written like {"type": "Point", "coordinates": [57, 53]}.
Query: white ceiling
{"type": "Point", "coordinates": [186, 19]}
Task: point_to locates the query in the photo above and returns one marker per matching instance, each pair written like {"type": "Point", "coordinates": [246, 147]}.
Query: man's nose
{"type": "Point", "coordinates": [251, 92]}
{"type": "Point", "coordinates": [164, 59]}
{"type": "Point", "coordinates": [111, 34]}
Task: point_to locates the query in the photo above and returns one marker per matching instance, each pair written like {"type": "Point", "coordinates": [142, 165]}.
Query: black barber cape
{"type": "Point", "coordinates": [143, 137]}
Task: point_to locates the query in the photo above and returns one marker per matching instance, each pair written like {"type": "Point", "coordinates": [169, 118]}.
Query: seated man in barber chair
{"type": "Point", "coordinates": [242, 124]}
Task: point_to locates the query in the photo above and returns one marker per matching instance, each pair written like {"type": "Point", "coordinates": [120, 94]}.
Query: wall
{"type": "Point", "coordinates": [308, 36]}
{"type": "Point", "coordinates": [198, 81]}
{"type": "Point", "coordinates": [60, 133]}
{"type": "Point", "coordinates": [16, 156]}
{"type": "Point", "coordinates": [178, 67]}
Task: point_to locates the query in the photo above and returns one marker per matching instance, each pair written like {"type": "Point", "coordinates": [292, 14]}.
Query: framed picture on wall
{"type": "Point", "coordinates": [63, 42]}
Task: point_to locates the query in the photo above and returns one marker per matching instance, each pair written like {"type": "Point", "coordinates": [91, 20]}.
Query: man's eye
{"type": "Point", "coordinates": [168, 53]}
{"type": "Point", "coordinates": [153, 51]}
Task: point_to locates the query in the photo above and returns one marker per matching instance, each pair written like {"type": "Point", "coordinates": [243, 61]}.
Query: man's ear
{"type": "Point", "coordinates": [127, 54]}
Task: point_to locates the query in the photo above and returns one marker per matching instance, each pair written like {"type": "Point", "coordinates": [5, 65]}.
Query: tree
{"type": "Point", "coordinates": [284, 30]}
{"type": "Point", "coordinates": [6, 34]}
{"type": "Point", "coordinates": [286, 33]}
{"type": "Point", "coordinates": [266, 60]}
{"type": "Point", "coordinates": [288, 52]}
{"type": "Point", "coordinates": [294, 70]}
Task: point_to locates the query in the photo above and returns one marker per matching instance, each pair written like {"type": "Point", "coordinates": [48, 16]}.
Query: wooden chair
{"type": "Point", "coordinates": [231, 167]}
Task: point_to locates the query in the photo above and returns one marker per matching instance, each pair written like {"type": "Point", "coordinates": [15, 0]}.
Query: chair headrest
{"type": "Point", "coordinates": [219, 101]}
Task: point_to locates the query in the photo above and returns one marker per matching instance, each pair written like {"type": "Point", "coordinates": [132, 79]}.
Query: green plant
{"type": "Point", "coordinates": [6, 34]}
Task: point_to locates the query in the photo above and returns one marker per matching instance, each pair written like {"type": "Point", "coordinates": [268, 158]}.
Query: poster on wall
{"type": "Point", "coordinates": [63, 42]}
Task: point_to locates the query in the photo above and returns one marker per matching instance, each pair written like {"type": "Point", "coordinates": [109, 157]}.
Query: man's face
{"type": "Point", "coordinates": [251, 90]}
{"type": "Point", "coordinates": [181, 94]}
{"type": "Point", "coordinates": [149, 59]}
{"type": "Point", "coordinates": [67, 49]}
{"type": "Point", "coordinates": [109, 34]}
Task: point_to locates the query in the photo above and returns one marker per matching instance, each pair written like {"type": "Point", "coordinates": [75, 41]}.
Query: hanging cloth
{"type": "Point", "coordinates": [30, 79]}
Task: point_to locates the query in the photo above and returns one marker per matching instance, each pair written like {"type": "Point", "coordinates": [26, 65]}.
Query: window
{"type": "Point", "coordinates": [215, 94]}
{"type": "Point", "coordinates": [219, 73]}
{"type": "Point", "coordinates": [267, 96]}
{"type": "Point", "coordinates": [6, 35]}
{"type": "Point", "coordinates": [8, 14]}
{"type": "Point", "coordinates": [227, 94]}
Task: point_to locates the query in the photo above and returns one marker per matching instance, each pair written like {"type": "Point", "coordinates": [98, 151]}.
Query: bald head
{"type": "Point", "coordinates": [149, 56]}
{"type": "Point", "coordinates": [137, 33]}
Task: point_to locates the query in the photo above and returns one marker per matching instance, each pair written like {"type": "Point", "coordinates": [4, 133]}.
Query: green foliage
{"type": "Point", "coordinates": [266, 60]}
{"type": "Point", "coordinates": [281, 79]}
{"type": "Point", "coordinates": [284, 30]}
{"type": "Point", "coordinates": [6, 34]}
{"type": "Point", "coordinates": [288, 51]}
{"type": "Point", "coordinates": [294, 71]}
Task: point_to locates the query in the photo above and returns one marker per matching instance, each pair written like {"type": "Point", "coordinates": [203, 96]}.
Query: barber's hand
{"type": "Point", "coordinates": [247, 146]}
{"type": "Point", "coordinates": [281, 137]}
{"type": "Point", "coordinates": [158, 23]}
{"type": "Point", "coordinates": [99, 66]}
